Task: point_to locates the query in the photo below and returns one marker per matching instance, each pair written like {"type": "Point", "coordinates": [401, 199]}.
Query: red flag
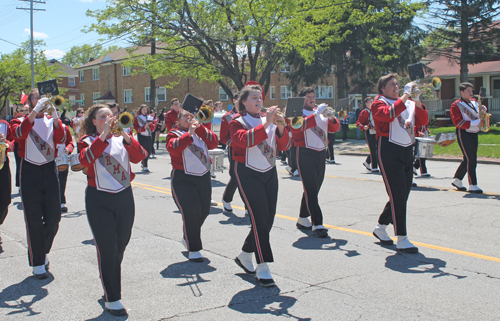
{"type": "Point", "coordinates": [24, 97]}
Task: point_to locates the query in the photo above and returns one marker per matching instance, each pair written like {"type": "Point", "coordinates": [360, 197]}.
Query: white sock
{"type": "Point", "coordinates": [404, 242]}
{"type": "Point", "coordinates": [195, 255]}
{"type": "Point", "coordinates": [263, 272]}
{"type": "Point", "coordinates": [115, 305]}
{"type": "Point", "coordinates": [246, 259]}
{"type": "Point", "coordinates": [39, 269]}
{"type": "Point", "coordinates": [381, 232]}
{"type": "Point", "coordinates": [319, 227]}
{"type": "Point", "coordinates": [304, 221]}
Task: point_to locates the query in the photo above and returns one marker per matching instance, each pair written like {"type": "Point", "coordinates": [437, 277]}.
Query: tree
{"type": "Point", "coordinates": [15, 71]}
{"type": "Point", "coordinates": [464, 31]}
{"type": "Point", "coordinates": [79, 55]}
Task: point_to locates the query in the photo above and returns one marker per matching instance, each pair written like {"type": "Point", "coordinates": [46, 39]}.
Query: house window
{"type": "Point", "coordinates": [82, 75]}
{"type": "Point", "coordinates": [161, 93]}
{"type": "Point", "coordinates": [272, 92]}
{"type": "Point", "coordinates": [286, 92]}
{"type": "Point", "coordinates": [127, 96]}
{"type": "Point", "coordinates": [285, 68]}
{"type": "Point", "coordinates": [96, 95]}
{"type": "Point", "coordinates": [324, 92]}
{"type": "Point", "coordinates": [147, 94]}
{"type": "Point", "coordinates": [95, 74]}
{"type": "Point", "coordinates": [127, 71]}
{"type": "Point", "coordinates": [71, 81]}
{"type": "Point", "coordinates": [222, 95]}
{"type": "Point", "coordinates": [72, 100]}
{"type": "Point", "coordinates": [82, 98]}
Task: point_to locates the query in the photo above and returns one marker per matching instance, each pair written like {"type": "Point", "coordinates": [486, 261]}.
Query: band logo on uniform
{"type": "Point", "coordinates": [43, 147]}
{"type": "Point", "coordinates": [115, 169]}
{"type": "Point", "coordinates": [409, 129]}
{"type": "Point", "coordinates": [320, 133]}
{"type": "Point", "coordinates": [466, 110]}
{"type": "Point", "coordinates": [200, 154]}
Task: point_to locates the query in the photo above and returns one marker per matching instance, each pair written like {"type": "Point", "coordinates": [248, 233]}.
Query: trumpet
{"type": "Point", "coordinates": [435, 85]}
{"type": "Point", "coordinates": [483, 115]}
{"type": "Point", "coordinates": [54, 103]}
{"type": "Point", "coordinates": [125, 120]}
{"type": "Point", "coordinates": [280, 114]}
{"type": "Point", "coordinates": [205, 114]}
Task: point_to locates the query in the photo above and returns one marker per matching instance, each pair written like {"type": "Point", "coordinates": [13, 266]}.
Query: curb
{"type": "Point", "coordinates": [437, 159]}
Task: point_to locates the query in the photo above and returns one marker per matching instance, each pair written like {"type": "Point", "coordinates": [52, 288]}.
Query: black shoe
{"type": "Point", "coordinates": [266, 282]}
{"type": "Point", "coordinates": [197, 260]}
{"type": "Point", "coordinates": [41, 276]}
{"type": "Point", "coordinates": [302, 227]}
{"type": "Point", "coordinates": [388, 242]}
{"type": "Point", "coordinates": [320, 232]}
{"type": "Point", "coordinates": [247, 271]}
{"type": "Point", "coordinates": [461, 189]}
{"type": "Point", "coordinates": [117, 312]}
{"type": "Point", "coordinates": [409, 250]}
{"type": "Point", "coordinates": [413, 184]}
{"type": "Point", "coordinates": [64, 209]}
{"type": "Point", "coordinates": [0, 239]}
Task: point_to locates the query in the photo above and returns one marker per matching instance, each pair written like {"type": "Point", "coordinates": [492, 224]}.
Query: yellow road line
{"type": "Point", "coordinates": [430, 246]}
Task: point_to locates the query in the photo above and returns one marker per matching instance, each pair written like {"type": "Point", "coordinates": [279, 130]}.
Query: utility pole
{"type": "Point", "coordinates": [152, 82]}
{"type": "Point", "coordinates": [31, 9]}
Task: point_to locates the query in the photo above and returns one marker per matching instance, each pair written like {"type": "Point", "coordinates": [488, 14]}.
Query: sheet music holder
{"type": "Point", "coordinates": [294, 106]}
{"type": "Point", "coordinates": [192, 104]}
{"type": "Point", "coordinates": [416, 71]}
{"type": "Point", "coordinates": [48, 87]}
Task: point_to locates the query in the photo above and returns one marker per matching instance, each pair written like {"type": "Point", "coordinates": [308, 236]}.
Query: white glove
{"type": "Point", "coordinates": [55, 115]}
{"type": "Point", "coordinates": [416, 94]}
{"type": "Point", "coordinates": [475, 122]}
{"type": "Point", "coordinates": [40, 105]}
{"type": "Point", "coordinates": [409, 87]}
{"type": "Point", "coordinates": [320, 109]}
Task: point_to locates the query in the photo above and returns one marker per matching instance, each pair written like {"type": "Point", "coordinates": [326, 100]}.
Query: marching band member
{"type": "Point", "coordinates": [21, 112]}
{"type": "Point", "coordinates": [365, 122]}
{"type": "Point", "coordinates": [188, 146]}
{"type": "Point", "coordinates": [160, 128]}
{"type": "Point", "coordinates": [155, 132]}
{"type": "Point", "coordinates": [419, 163]}
{"type": "Point", "coordinates": [311, 140]}
{"type": "Point", "coordinates": [64, 149]}
{"type": "Point", "coordinates": [76, 124]}
{"type": "Point", "coordinates": [255, 140]}
{"type": "Point", "coordinates": [109, 200]}
{"type": "Point", "coordinates": [37, 136]}
{"type": "Point", "coordinates": [395, 118]}
{"type": "Point", "coordinates": [465, 116]}
{"type": "Point", "coordinates": [172, 115]}
{"type": "Point", "coordinates": [5, 177]}
{"type": "Point", "coordinates": [144, 127]}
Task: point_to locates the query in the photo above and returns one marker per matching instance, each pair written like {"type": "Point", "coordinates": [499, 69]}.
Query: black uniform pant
{"type": "Point", "coordinates": [18, 163]}
{"type": "Point", "coordinates": [372, 158]}
{"type": "Point", "coordinates": [331, 142]}
{"type": "Point", "coordinates": [420, 164]}
{"type": "Point", "coordinates": [468, 143]}
{"type": "Point", "coordinates": [42, 208]}
{"type": "Point", "coordinates": [111, 217]}
{"type": "Point", "coordinates": [153, 140]}
{"type": "Point", "coordinates": [232, 185]}
{"type": "Point", "coordinates": [5, 190]}
{"type": "Point", "coordinates": [260, 194]}
{"type": "Point", "coordinates": [63, 178]}
{"type": "Point", "coordinates": [146, 143]}
{"type": "Point", "coordinates": [292, 158]}
{"type": "Point", "coordinates": [345, 129]}
{"type": "Point", "coordinates": [396, 166]}
{"type": "Point", "coordinates": [192, 195]}
{"type": "Point", "coordinates": [311, 166]}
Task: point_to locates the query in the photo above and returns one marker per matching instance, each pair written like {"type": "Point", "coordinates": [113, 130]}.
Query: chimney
{"type": "Point", "coordinates": [91, 59]}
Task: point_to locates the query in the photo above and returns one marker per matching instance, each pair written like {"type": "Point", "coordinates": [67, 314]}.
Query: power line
{"type": "Point", "coordinates": [10, 42]}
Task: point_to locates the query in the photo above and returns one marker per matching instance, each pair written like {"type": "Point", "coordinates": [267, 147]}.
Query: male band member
{"type": "Point", "coordinates": [5, 178]}
{"type": "Point", "coordinates": [37, 136]}
{"type": "Point", "coordinates": [344, 122]}
{"type": "Point", "coordinates": [395, 118]}
{"type": "Point", "coordinates": [64, 149]}
{"type": "Point", "coordinates": [172, 115]}
{"type": "Point", "coordinates": [311, 141]}
{"type": "Point", "coordinates": [365, 122]}
{"type": "Point", "coordinates": [21, 112]}
{"type": "Point", "coordinates": [465, 116]}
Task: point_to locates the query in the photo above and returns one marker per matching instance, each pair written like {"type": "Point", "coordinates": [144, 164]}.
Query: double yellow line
{"type": "Point", "coordinates": [430, 246]}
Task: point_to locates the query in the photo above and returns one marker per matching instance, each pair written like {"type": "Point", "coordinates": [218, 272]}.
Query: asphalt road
{"type": "Point", "coordinates": [349, 276]}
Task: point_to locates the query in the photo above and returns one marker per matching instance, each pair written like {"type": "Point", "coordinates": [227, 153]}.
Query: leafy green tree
{"type": "Point", "coordinates": [79, 55]}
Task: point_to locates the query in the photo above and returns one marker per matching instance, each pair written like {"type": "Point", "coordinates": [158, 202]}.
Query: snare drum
{"type": "Point", "coordinates": [425, 147]}
{"type": "Point", "coordinates": [217, 157]}
{"type": "Point", "coordinates": [75, 163]}
{"type": "Point", "coordinates": [447, 139]}
{"type": "Point", "coordinates": [62, 162]}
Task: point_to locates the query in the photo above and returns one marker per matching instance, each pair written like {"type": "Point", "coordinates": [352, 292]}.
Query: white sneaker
{"type": "Point", "coordinates": [404, 245]}
{"type": "Point", "coordinates": [458, 184]}
{"type": "Point", "coordinates": [263, 275]}
{"type": "Point", "coordinates": [244, 260]}
{"type": "Point", "coordinates": [380, 233]}
{"type": "Point", "coordinates": [375, 170]}
{"type": "Point", "coordinates": [367, 166]}
{"type": "Point", "coordinates": [145, 169]}
{"type": "Point", "coordinates": [304, 223]}
{"type": "Point", "coordinates": [227, 206]}
{"type": "Point", "coordinates": [213, 203]}
{"type": "Point", "coordinates": [212, 174]}
{"type": "Point", "coordinates": [195, 256]}
{"type": "Point", "coordinates": [475, 189]}
{"type": "Point", "coordinates": [289, 170]}
{"type": "Point", "coordinates": [115, 308]}
{"type": "Point", "coordinates": [296, 173]}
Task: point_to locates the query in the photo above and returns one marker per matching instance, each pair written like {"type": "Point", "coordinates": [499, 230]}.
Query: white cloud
{"type": "Point", "coordinates": [39, 35]}
{"type": "Point", "coordinates": [54, 53]}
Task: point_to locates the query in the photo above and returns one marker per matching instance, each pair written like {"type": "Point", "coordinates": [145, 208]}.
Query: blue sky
{"type": "Point", "coordinates": [59, 26]}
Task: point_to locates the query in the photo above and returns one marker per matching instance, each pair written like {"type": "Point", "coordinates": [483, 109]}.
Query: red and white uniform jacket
{"type": "Point", "coordinates": [397, 120]}
{"type": "Point", "coordinates": [314, 131]}
{"type": "Point", "coordinates": [420, 131]}
{"type": "Point", "coordinates": [462, 113]}
{"type": "Point", "coordinates": [190, 153]}
{"type": "Point", "coordinates": [68, 142]}
{"type": "Point", "coordinates": [37, 142]}
{"type": "Point", "coordinates": [225, 135]}
{"type": "Point", "coordinates": [5, 129]}
{"type": "Point", "coordinates": [142, 127]}
{"type": "Point", "coordinates": [366, 119]}
{"type": "Point", "coordinates": [170, 119]}
{"type": "Point", "coordinates": [255, 146]}
{"type": "Point", "coordinates": [108, 163]}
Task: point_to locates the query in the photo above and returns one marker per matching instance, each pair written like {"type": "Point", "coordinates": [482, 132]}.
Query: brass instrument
{"type": "Point", "coordinates": [125, 120]}
{"type": "Point", "coordinates": [435, 85]}
{"type": "Point", "coordinates": [205, 114]}
{"type": "Point", "coordinates": [279, 113]}
{"type": "Point", "coordinates": [54, 103]}
{"type": "Point", "coordinates": [3, 149]}
{"type": "Point", "coordinates": [483, 115]}
{"type": "Point", "coordinates": [342, 114]}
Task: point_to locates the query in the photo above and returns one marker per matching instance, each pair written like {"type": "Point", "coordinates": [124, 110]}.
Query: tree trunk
{"type": "Point", "coordinates": [464, 39]}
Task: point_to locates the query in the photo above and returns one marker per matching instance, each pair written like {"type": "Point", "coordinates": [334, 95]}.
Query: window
{"type": "Point", "coordinates": [127, 96]}
{"type": "Point", "coordinates": [147, 94]}
{"type": "Point", "coordinates": [286, 92]}
{"type": "Point", "coordinates": [95, 74]}
{"type": "Point", "coordinates": [127, 71]}
{"type": "Point", "coordinates": [161, 93]}
{"type": "Point", "coordinates": [82, 98]}
{"type": "Point", "coordinates": [96, 95]}
{"type": "Point", "coordinates": [71, 81]}
{"type": "Point", "coordinates": [324, 92]}
{"type": "Point", "coordinates": [272, 92]}
{"type": "Point", "coordinates": [82, 75]}
{"type": "Point", "coordinates": [72, 100]}
{"type": "Point", "coordinates": [285, 68]}
{"type": "Point", "coordinates": [222, 95]}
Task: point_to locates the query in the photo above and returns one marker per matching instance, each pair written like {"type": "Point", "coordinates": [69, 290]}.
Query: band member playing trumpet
{"type": "Point", "coordinates": [365, 122]}
{"type": "Point", "coordinates": [311, 140]}
{"type": "Point", "coordinates": [37, 136]}
{"type": "Point", "coordinates": [144, 126]}
{"type": "Point", "coordinates": [255, 141]}
{"type": "Point", "coordinates": [109, 200]}
{"type": "Point", "coordinates": [188, 146]}
{"type": "Point", "coordinates": [395, 118]}
{"type": "Point", "coordinates": [5, 177]}
{"type": "Point", "coordinates": [465, 116]}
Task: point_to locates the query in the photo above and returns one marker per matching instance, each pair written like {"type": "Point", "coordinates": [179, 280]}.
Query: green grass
{"type": "Point", "coordinates": [491, 151]}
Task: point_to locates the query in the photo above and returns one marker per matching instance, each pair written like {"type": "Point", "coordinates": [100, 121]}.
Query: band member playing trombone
{"type": "Point", "coordinates": [311, 140]}
{"type": "Point", "coordinates": [188, 146]}
{"type": "Point", "coordinates": [365, 122]}
{"type": "Point", "coordinates": [255, 141]}
{"type": "Point", "coordinates": [109, 200]}
{"type": "Point", "coordinates": [37, 136]}
{"type": "Point", "coordinates": [395, 118]}
{"type": "Point", "coordinates": [465, 116]}
{"type": "Point", "coordinates": [144, 126]}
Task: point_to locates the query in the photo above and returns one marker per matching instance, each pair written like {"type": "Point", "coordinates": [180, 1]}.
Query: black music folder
{"type": "Point", "coordinates": [294, 106]}
{"type": "Point", "coordinates": [192, 104]}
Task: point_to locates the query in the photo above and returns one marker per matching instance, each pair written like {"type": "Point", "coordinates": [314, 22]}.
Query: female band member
{"type": "Point", "coordinates": [365, 122]}
{"type": "Point", "coordinates": [64, 149]}
{"type": "Point", "coordinates": [255, 140]}
{"type": "Point", "coordinates": [109, 200]}
{"type": "Point", "coordinates": [144, 128]}
{"type": "Point", "coordinates": [188, 146]}
{"type": "Point", "coordinates": [21, 112]}
{"type": "Point", "coordinates": [5, 178]}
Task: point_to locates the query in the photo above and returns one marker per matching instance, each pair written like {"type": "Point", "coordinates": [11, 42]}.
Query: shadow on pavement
{"type": "Point", "coordinates": [88, 242]}
{"type": "Point", "coordinates": [74, 214]}
{"type": "Point", "coordinates": [21, 296]}
{"type": "Point", "coordinates": [482, 196]}
{"type": "Point", "coordinates": [418, 263]}
{"type": "Point", "coordinates": [234, 219]}
{"type": "Point", "coordinates": [313, 243]}
{"type": "Point", "coordinates": [190, 272]}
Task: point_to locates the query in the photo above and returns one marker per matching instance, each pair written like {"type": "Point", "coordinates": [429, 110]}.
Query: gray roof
{"type": "Point", "coordinates": [65, 68]}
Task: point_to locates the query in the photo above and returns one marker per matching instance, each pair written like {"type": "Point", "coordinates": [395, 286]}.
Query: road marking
{"type": "Point", "coordinates": [430, 246]}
